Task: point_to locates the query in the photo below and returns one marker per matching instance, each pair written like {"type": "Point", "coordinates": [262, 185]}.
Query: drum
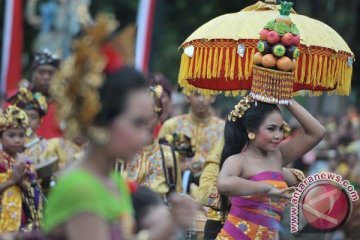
{"type": "Point", "coordinates": [196, 231]}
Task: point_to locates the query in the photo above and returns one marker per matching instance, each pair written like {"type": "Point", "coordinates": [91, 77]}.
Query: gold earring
{"type": "Point", "coordinates": [251, 136]}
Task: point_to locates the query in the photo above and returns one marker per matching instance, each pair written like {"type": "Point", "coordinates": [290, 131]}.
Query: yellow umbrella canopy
{"type": "Point", "coordinates": [218, 56]}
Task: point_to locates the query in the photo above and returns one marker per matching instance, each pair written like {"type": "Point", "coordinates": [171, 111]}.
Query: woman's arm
{"type": "Point", "coordinates": [312, 133]}
{"type": "Point", "coordinates": [230, 184]}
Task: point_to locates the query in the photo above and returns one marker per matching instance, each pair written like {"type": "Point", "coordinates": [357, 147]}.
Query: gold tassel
{"type": "Point", "coordinates": [309, 69]}
{"type": "Point", "coordinates": [319, 71]}
{"type": "Point", "coordinates": [337, 70]}
{"type": "Point", "coordinates": [303, 68]}
{"type": "Point", "coordinates": [343, 71]}
{"type": "Point", "coordinates": [251, 60]}
{"type": "Point", "coordinates": [328, 74]}
{"type": "Point", "coordinates": [247, 54]}
{"type": "Point", "coordinates": [195, 64]}
{"type": "Point", "coordinates": [227, 63]}
{"type": "Point", "coordinates": [333, 71]}
{"type": "Point", "coordinates": [232, 68]}
{"type": "Point", "coordinates": [208, 69]}
{"type": "Point", "coordinates": [349, 71]}
{"type": "Point", "coordinates": [314, 70]}
{"type": "Point", "coordinates": [240, 71]}
{"type": "Point", "coordinates": [324, 81]}
{"type": "Point", "coordinates": [199, 63]}
{"type": "Point", "coordinates": [215, 64]}
{"type": "Point", "coordinates": [184, 65]}
{"type": "Point", "coordinates": [339, 76]}
{"type": "Point", "coordinates": [191, 67]}
{"type": "Point", "coordinates": [204, 63]}
{"type": "Point", "coordinates": [220, 62]}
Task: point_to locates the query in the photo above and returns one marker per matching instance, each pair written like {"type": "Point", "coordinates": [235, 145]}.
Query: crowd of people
{"type": "Point", "coordinates": [91, 154]}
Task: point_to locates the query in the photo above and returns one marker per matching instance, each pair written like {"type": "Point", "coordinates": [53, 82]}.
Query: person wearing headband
{"type": "Point", "coordinates": [21, 200]}
{"type": "Point", "coordinates": [44, 66]}
{"type": "Point", "coordinates": [251, 166]}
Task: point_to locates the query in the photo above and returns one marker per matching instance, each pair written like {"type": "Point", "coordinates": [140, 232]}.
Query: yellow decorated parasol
{"type": "Point", "coordinates": [218, 56]}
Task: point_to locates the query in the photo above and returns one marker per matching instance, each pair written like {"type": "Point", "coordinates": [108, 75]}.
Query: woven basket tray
{"type": "Point", "coordinates": [272, 86]}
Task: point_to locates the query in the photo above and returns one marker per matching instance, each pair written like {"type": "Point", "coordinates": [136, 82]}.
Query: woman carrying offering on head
{"type": "Point", "coordinates": [251, 166]}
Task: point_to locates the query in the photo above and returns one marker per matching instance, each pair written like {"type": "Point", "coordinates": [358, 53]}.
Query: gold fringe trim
{"type": "Point", "coordinates": [227, 63]}
{"type": "Point", "coordinates": [220, 62]}
{"type": "Point", "coordinates": [204, 64]}
{"type": "Point", "coordinates": [208, 68]}
{"type": "Point", "coordinates": [232, 66]}
{"type": "Point", "coordinates": [317, 67]}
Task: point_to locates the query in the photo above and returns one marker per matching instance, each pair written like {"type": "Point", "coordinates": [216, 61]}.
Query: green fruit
{"type": "Point", "coordinates": [279, 50]}
{"type": "Point", "coordinates": [293, 52]}
{"type": "Point", "coordinates": [261, 46]}
{"type": "Point", "coordinates": [296, 53]}
{"type": "Point", "coordinates": [264, 47]}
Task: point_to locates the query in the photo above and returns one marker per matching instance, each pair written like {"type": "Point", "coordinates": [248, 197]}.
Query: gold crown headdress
{"type": "Point", "coordinates": [13, 117]}
{"type": "Point", "coordinates": [240, 108]}
{"type": "Point", "coordinates": [25, 99]}
{"type": "Point", "coordinates": [157, 92]}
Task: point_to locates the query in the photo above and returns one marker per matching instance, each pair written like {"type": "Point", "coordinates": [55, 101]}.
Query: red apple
{"type": "Point", "coordinates": [296, 40]}
{"type": "Point", "coordinates": [287, 39]}
{"type": "Point", "coordinates": [273, 37]}
{"type": "Point", "coordinates": [263, 34]}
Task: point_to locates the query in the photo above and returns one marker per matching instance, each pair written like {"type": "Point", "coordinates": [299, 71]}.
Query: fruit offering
{"type": "Point", "coordinates": [279, 42]}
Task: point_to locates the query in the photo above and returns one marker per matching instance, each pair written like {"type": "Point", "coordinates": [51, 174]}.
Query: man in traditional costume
{"type": "Point", "coordinates": [203, 128]}
{"type": "Point", "coordinates": [44, 66]}
{"type": "Point", "coordinates": [156, 166]}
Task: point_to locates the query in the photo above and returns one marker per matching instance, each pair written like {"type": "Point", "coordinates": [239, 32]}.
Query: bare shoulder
{"type": "Point", "coordinates": [235, 159]}
{"type": "Point", "coordinates": [234, 163]}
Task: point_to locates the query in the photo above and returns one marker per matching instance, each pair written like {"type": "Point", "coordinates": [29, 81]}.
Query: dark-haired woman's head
{"type": "Point", "coordinates": [261, 125]}
{"type": "Point", "coordinates": [126, 109]}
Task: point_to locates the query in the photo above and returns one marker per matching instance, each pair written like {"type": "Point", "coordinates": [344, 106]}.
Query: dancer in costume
{"type": "Point", "coordinates": [251, 166]}
{"type": "Point", "coordinates": [156, 166]}
{"type": "Point", "coordinates": [21, 201]}
{"type": "Point", "coordinates": [210, 197]}
{"type": "Point", "coordinates": [113, 111]}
